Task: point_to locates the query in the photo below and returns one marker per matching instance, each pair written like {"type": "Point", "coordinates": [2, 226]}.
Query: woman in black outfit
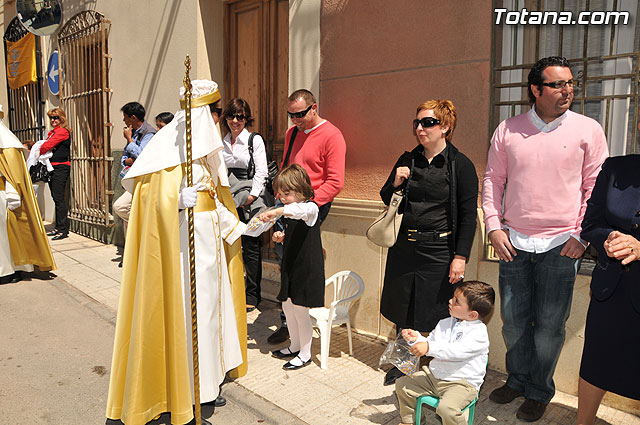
{"type": "Point", "coordinates": [438, 225]}
{"type": "Point", "coordinates": [59, 142]}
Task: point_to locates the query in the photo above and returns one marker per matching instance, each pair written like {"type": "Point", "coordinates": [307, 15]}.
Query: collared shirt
{"type": "Point", "coordinates": [429, 205]}
{"type": "Point", "coordinates": [236, 155]}
{"type": "Point", "coordinates": [133, 149]}
{"type": "Point", "coordinates": [537, 182]}
{"type": "Point", "coordinates": [460, 349]}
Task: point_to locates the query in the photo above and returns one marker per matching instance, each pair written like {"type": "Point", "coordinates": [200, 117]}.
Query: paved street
{"type": "Point", "coordinates": [56, 351]}
{"type": "Point", "coordinates": [55, 357]}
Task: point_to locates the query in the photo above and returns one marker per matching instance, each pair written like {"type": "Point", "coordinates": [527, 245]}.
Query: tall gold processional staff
{"type": "Point", "coordinates": [153, 360]}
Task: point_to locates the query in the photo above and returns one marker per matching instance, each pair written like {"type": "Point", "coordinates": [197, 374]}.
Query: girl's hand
{"type": "Point", "coordinates": [410, 335]}
{"type": "Point", "coordinates": [268, 216]}
{"type": "Point", "coordinates": [402, 174]}
{"type": "Point", "coordinates": [456, 269]}
{"type": "Point", "coordinates": [278, 237]}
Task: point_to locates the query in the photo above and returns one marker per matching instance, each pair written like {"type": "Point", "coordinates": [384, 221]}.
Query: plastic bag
{"type": "Point", "coordinates": [256, 227]}
{"type": "Point", "coordinates": [397, 353]}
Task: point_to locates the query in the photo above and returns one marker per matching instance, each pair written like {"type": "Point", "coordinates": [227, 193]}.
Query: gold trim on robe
{"type": "Point", "coordinates": [27, 235]}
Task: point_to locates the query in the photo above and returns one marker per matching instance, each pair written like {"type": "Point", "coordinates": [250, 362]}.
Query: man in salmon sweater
{"type": "Point", "coordinates": [319, 147]}
{"type": "Point", "coordinates": [543, 165]}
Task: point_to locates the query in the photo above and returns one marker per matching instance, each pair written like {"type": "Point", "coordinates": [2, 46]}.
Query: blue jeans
{"type": "Point", "coordinates": [536, 292]}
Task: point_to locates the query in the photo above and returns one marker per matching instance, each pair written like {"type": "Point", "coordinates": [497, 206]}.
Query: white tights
{"type": "Point", "coordinates": [300, 329]}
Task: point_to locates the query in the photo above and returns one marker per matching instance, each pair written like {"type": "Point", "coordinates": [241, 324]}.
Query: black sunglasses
{"type": "Point", "coordinates": [425, 122]}
{"type": "Point", "coordinates": [54, 117]}
{"type": "Point", "coordinates": [239, 117]}
{"type": "Point", "coordinates": [562, 84]}
{"type": "Point", "coordinates": [300, 114]}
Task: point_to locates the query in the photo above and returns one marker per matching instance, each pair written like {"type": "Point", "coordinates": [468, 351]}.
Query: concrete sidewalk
{"type": "Point", "coordinates": [350, 391]}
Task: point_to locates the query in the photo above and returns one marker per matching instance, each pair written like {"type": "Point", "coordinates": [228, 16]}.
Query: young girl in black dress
{"type": "Point", "coordinates": [302, 267]}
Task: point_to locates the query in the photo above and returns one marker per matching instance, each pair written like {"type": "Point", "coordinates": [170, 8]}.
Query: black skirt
{"type": "Point", "coordinates": [302, 268]}
{"type": "Point", "coordinates": [611, 354]}
{"type": "Point", "coordinates": [416, 289]}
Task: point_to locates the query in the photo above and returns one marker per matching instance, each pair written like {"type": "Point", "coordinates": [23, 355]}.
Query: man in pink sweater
{"type": "Point", "coordinates": [541, 168]}
{"type": "Point", "coordinates": [319, 147]}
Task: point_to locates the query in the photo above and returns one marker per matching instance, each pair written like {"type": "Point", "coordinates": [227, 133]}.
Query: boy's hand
{"type": "Point", "coordinates": [278, 237]}
{"type": "Point", "coordinates": [419, 349]}
{"type": "Point", "coordinates": [410, 335]}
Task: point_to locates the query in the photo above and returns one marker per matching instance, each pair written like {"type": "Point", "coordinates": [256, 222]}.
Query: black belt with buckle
{"type": "Point", "coordinates": [414, 235]}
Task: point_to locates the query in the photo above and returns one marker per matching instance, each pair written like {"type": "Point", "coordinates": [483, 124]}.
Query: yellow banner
{"type": "Point", "coordinates": [21, 61]}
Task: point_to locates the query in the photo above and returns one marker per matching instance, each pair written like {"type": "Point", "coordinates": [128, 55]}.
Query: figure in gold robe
{"type": "Point", "coordinates": [23, 240]}
{"type": "Point", "coordinates": [151, 369]}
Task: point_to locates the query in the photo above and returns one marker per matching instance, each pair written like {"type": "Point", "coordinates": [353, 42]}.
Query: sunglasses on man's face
{"type": "Point", "coordinates": [425, 122]}
{"type": "Point", "coordinates": [299, 114]}
{"type": "Point", "coordinates": [562, 84]}
{"type": "Point", "coordinates": [239, 117]}
{"type": "Point", "coordinates": [54, 117]}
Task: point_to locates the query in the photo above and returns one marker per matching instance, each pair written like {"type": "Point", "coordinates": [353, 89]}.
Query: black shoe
{"type": "Point", "coordinates": [279, 336]}
{"type": "Point", "coordinates": [531, 410]}
{"type": "Point", "coordinates": [120, 264]}
{"type": "Point", "coordinates": [289, 366]}
{"type": "Point", "coordinates": [204, 421]}
{"type": "Point", "coordinates": [6, 279]}
{"type": "Point", "coordinates": [284, 353]}
{"type": "Point", "coordinates": [59, 236]}
{"type": "Point", "coordinates": [53, 232]}
{"type": "Point", "coordinates": [391, 376]}
{"type": "Point", "coordinates": [505, 394]}
{"type": "Point", "coordinates": [16, 277]}
{"type": "Point", "coordinates": [220, 401]}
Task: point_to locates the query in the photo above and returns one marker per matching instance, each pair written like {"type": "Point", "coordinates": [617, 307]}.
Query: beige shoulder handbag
{"type": "Point", "coordinates": [384, 230]}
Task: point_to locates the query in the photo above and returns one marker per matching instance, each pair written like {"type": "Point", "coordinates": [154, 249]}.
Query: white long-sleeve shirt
{"type": "Point", "coordinates": [236, 155]}
{"type": "Point", "coordinates": [460, 349]}
{"type": "Point", "coordinates": [305, 211]}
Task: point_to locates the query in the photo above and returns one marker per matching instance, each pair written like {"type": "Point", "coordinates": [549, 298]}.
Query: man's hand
{"type": "Point", "coordinates": [127, 132]}
{"type": "Point", "coordinates": [129, 162]}
{"type": "Point", "coordinates": [502, 245]}
{"type": "Point", "coordinates": [278, 237]}
{"type": "Point", "coordinates": [622, 247]}
{"type": "Point", "coordinates": [402, 173]}
{"type": "Point", "coordinates": [572, 248]}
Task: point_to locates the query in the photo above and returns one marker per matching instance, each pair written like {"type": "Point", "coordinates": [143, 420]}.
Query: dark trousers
{"type": "Point", "coordinates": [58, 187]}
{"type": "Point", "coordinates": [252, 257]}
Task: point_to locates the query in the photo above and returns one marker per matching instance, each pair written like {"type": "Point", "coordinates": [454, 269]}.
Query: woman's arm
{"type": "Point", "coordinates": [595, 228]}
{"type": "Point", "coordinates": [260, 161]}
{"type": "Point", "coordinates": [59, 135]}
{"type": "Point", "coordinates": [467, 194]}
{"type": "Point", "coordinates": [388, 188]}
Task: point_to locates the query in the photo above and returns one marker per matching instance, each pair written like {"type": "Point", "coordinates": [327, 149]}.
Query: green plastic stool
{"type": "Point", "coordinates": [433, 401]}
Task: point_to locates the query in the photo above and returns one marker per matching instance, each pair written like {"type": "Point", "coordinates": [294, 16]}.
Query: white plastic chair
{"type": "Point", "coordinates": [347, 287]}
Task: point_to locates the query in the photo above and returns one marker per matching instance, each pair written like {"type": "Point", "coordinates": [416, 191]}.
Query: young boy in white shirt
{"type": "Point", "coordinates": [459, 346]}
